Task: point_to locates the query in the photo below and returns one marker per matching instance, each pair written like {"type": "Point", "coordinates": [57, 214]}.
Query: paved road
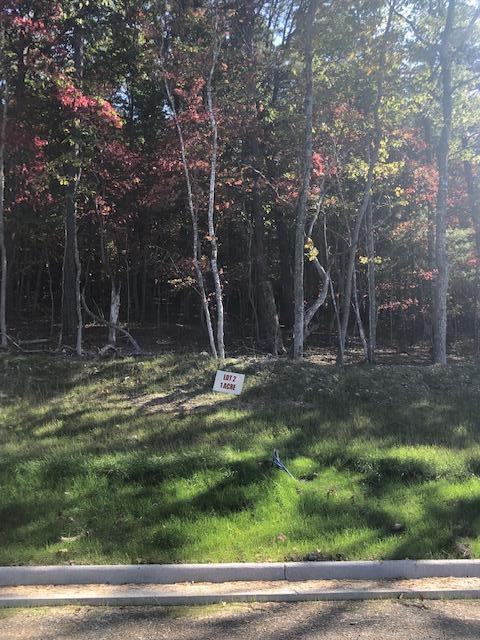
{"type": "Point", "coordinates": [376, 620]}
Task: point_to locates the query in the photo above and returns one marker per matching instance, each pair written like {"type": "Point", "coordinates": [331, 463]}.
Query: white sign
{"type": "Point", "coordinates": [228, 382]}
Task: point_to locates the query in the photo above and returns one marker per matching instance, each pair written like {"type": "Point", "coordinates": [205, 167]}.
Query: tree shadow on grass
{"type": "Point", "coordinates": [444, 523]}
{"type": "Point", "coordinates": [333, 429]}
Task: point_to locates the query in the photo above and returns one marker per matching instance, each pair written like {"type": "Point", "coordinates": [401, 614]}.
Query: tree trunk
{"type": "Point", "coordinates": [143, 308]}
{"type": "Point", "coordinates": [114, 311]}
{"type": "Point", "coordinates": [50, 290]}
{"type": "Point", "coordinates": [269, 321]}
{"type": "Point", "coordinates": [474, 204]}
{"type": "Point", "coordinates": [298, 285]}
{"type": "Point", "coordinates": [72, 323]}
{"type": "Point", "coordinates": [3, 248]}
{"type": "Point", "coordinates": [211, 206]}
{"type": "Point", "coordinates": [194, 217]}
{"type": "Point", "coordinates": [441, 257]}
{"type": "Point", "coordinates": [346, 302]}
{"type": "Point", "coordinates": [372, 302]}
{"type": "Point", "coordinates": [323, 275]}
{"type": "Point", "coordinates": [38, 288]}
{"type": "Point", "coordinates": [285, 243]}
{"type": "Point", "coordinates": [358, 317]}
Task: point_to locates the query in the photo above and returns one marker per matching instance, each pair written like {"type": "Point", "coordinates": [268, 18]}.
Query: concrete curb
{"type": "Point", "coordinates": [167, 599]}
{"type": "Point", "coordinates": [381, 570]}
{"type": "Point", "coordinates": [141, 573]}
{"type": "Point", "coordinates": [232, 572]}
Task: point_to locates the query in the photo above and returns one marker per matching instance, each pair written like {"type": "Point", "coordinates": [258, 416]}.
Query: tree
{"type": "Point", "coordinates": [208, 23]}
{"type": "Point", "coordinates": [366, 196]}
{"type": "Point", "coordinates": [248, 15]}
{"type": "Point", "coordinates": [441, 257]}
{"type": "Point", "coordinates": [299, 319]}
{"type": "Point", "coordinates": [216, 46]}
{"type": "Point", "coordinates": [228, 150]}
{"type": "Point", "coordinates": [3, 130]}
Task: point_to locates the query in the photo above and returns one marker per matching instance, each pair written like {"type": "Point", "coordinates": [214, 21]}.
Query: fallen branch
{"type": "Point", "coordinates": [104, 350]}
{"type": "Point", "coordinates": [136, 347]}
{"type": "Point", "coordinates": [18, 346]}
{"type": "Point", "coordinates": [15, 344]}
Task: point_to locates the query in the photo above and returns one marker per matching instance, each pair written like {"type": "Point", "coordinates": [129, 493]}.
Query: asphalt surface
{"type": "Point", "coordinates": [379, 620]}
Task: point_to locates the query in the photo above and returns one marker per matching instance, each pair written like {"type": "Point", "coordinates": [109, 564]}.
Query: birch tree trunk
{"type": "Point", "coordinates": [115, 282]}
{"type": "Point", "coordinates": [211, 205]}
{"type": "Point", "coordinates": [298, 288]}
{"type": "Point", "coordinates": [3, 249]}
{"type": "Point", "coordinates": [323, 275]}
{"type": "Point", "coordinates": [114, 311]}
{"type": "Point", "coordinates": [194, 218]}
{"type": "Point", "coordinates": [72, 323]}
{"type": "Point", "coordinates": [441, 257]}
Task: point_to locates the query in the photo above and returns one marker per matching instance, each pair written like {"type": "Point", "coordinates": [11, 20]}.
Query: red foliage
{"type": "Point", "coordinates": [318, 164]}
{"type": "Point", "coordinates": [74, 100]}
{"type": "Point", "coordinates": [425, 184]}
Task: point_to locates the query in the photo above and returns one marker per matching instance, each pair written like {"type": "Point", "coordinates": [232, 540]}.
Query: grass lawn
{"type": "Point", "coordinates": [137, 461]}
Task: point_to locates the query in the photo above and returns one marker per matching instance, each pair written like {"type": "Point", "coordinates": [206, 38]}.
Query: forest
{"type": "Point", "coordinates": [271, 173]}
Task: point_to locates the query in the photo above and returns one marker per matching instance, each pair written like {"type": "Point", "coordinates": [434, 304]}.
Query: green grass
{"type": "Point", "coordinates": [136, 461]}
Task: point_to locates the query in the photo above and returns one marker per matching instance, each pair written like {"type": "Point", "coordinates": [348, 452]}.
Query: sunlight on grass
{"type": "Point", "coordinates": [137, 461]}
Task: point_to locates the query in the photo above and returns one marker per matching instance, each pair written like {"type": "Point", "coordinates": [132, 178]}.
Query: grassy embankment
{"type": "Point", "coordinates": [136, 460]}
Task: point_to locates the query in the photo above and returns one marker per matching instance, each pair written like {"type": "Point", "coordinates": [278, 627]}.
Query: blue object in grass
{"type": "Point", "coordinates": [279, 464]}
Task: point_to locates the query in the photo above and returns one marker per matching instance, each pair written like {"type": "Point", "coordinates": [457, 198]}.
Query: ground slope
{"type": "Point", "coordinates": [137, 461]}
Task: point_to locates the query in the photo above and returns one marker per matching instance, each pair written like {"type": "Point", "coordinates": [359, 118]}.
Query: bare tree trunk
{"type": "Point", "coordinates": [127, 280]}
{"type": "Point", "coordinates": [337, 314]}
{"type": "Point", "coordinates": [441, 256]}
{"type": "Point", "coordinates": [211, 203]}
{"type": "Point", "coordinates": [323, 275]}
{"type": "Point", "coordinates": [112, 274]}
{"type": "Point", "coordinates": [50, 290]}
{"type": "Point", "coordinates": [193, 211]}
{"type": "Point", "coordinates": [114, 311]}
{"type": "Point", "coordinates": [298, 285]}
{"type": "Point", "coordinates": [285, 266]}
{"type": "Point", "coordinates": [143, 306]}
{"type": "Point", "coordinates": [194, 217]}
{"type": "Point", "coordinates": [346, 302]}
{"type": "Point", "coordinates": [72, 322]}
{"type": "Point", "coordinates": [372, 301]}
{"type": "Point", "coordinates": [94, 316]}
{"type": "Point", "coordinates": [358, 317]}
{"type": "Point", "coordinates": [38, 288]}
{"type": "Point", "coordinates": [3, 248]}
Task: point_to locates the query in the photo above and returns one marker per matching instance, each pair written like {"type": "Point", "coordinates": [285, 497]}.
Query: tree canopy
{"type": "Point", "coordinates": [272, 171]}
